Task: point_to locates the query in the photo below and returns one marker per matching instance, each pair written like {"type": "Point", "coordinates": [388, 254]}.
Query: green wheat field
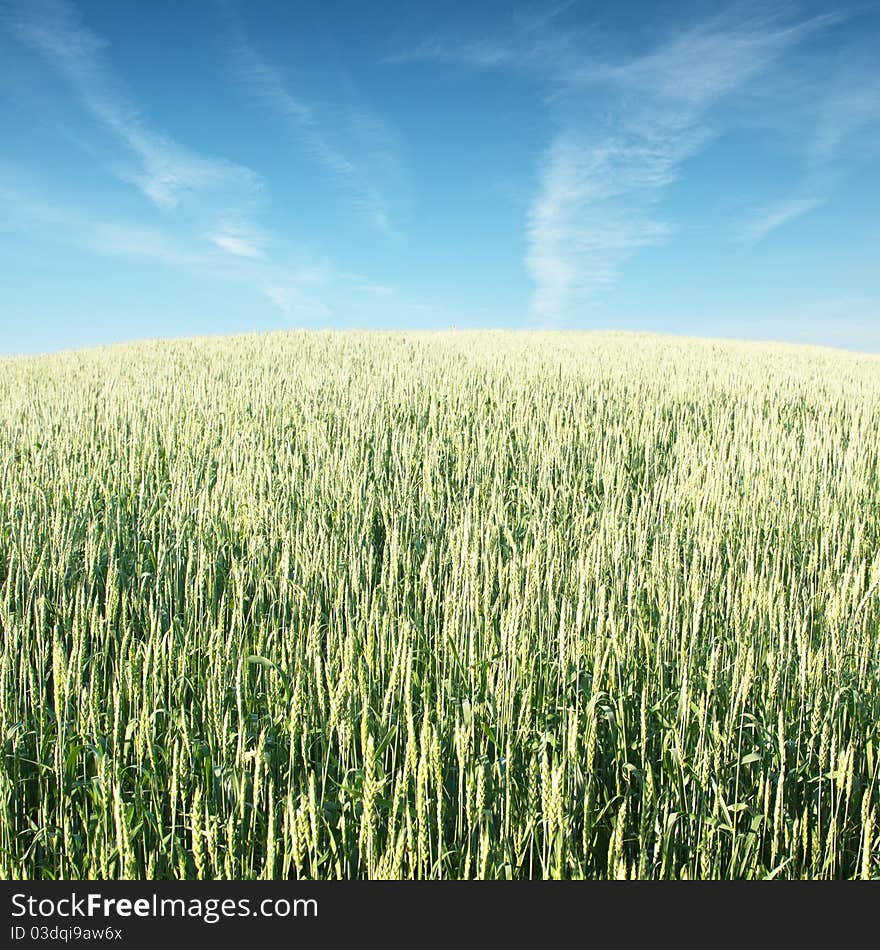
{"type": "Point", "coordinates": [440, 605]}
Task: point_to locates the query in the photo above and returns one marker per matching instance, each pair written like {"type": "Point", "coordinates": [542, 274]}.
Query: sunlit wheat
{"type": "Point", "coordinates": [440, 606]}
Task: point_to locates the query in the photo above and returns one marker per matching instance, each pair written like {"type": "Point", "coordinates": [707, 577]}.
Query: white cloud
{"type": "Point", "coordinates": [845, 113]}
{"type": "Point", "coordinates": [582, 225]}
{"type": "Point", "coordinates": [605, 170]}
{"type": "Point", "coordinates": [28, 211]}
{"type": "Point", "coordinates": [481, 54]}
{"type": "Point", "coordinates": [296, 305]}
{"type": "Point", "coordinates": [769, 219]}
{"type": "Point", "coordinates": [305, 289]}
{"type": "Point", "coordinates": [697, 66]}
{"type": "Point", "coordinates": [528, 42]}
{"type": "Point", "coordinates": [603, 174]}
{"type": "Point", "coordinates": [239, 241]}
{"type": "Point", "coordinates": [167, 172]}
{"type": "Point", "coordinates": [357, 148]}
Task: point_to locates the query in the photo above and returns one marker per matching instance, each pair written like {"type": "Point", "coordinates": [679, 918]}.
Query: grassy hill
{"type": "Point", "coordinates": [440, 605]}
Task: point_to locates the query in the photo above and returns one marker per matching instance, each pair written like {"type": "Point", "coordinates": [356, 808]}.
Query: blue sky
{"type": "Point", "coordinates": [218, 166]}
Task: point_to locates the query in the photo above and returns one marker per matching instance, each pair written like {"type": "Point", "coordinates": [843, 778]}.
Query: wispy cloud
{"type": "Point", "coordinates": [168, 173]}
{"type": "Point", "coordinates": [528, 42]}
{"type": "Point", "coordinates": [30, 212]}
{"type": "Point", "coordinates": [355, 147]}
{"type": "Point", "coordinates": [298, 307]}
{"type": "Point", "coordinates": [482, 54]}
{"type": "Point", "coordinates": [309, 294]}
{"type": "Point", "coordinates": [602, 177]}
{"type": "Point", "coordinates": [305, 290]}
{"type": "Point", "coordinates": [239, 241]}
{"type": "Point", "coordinates": [829, 103]}
{"type": "Point", "coordinates": [606, 169]}
{"type": "Point", "coordinates": [579, 231]}
{"type": "Point", "coordinates": [697, 66]}
{"type": "Point", "coordinates": [769, 219]}
{"type": "Point", "coordinates": [849, 107]}
{"type": "Point", "coordinates": [321, 292]}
